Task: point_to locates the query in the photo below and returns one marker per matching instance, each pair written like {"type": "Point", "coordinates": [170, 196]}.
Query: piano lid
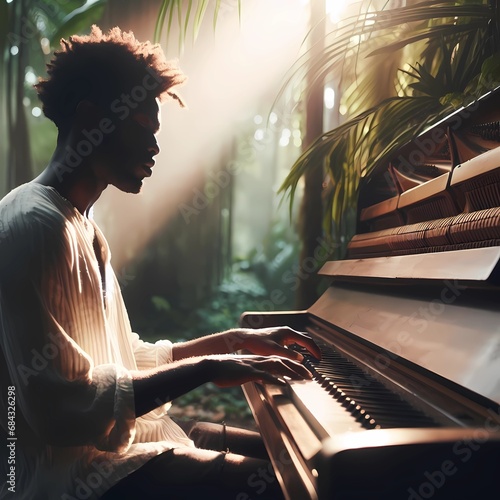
{"type": "Point", "coordinates": [471, 265]}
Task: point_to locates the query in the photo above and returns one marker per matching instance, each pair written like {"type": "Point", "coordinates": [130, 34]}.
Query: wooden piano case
{"type": "Point", "coordinates": [406, 402]}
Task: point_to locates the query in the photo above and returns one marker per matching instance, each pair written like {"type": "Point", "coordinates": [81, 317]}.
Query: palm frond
{"type": "Point", "coordinates": [187, 13]}
{"type": "Point", "coordinates": [457, 42]}
{"type": "Point", "coordinates": [376, 27]}
{"type": "Point", "coordinates": [198, 18]}
{"type": "Point", "coordinates": [431, 32]}
{"type": "Point", "coordinates": [160, 20]}
{"type": "Point", "coordinates": [216, 13]}
{"type": "Point", "coordinates": [354, 149]}
{"type": "Point", "coordinates": [441, 48]}
{"type": "Point", "coordinates": [79, 19]}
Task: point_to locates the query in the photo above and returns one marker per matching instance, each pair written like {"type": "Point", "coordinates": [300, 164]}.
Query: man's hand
{"type": "Point", "coordinates": [262, 341]}
{"type": "Point", "coordinates": [273, 341]}
{"type": "Point", "coordinates": [169, 381]}
{"type": "Point", "coordinates": [230, 370]}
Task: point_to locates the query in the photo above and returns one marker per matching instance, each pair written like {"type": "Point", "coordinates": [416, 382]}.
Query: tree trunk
{"type": "Point", "coordinates": [19, 166]}
{"type": "Point", "coordinates": [311, 209]}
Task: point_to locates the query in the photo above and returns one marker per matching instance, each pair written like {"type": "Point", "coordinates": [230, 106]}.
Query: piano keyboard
{"type": "Point", "coordinates": [318, 429]}
{"type": "Point", "coordinates": [360, 399]}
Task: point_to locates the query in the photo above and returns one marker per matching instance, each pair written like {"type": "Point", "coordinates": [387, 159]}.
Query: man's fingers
{"type": "Point", "coordinates": [236, 370]}
{"type": "Point", "coordinates": [255, 371]}
{"type": "Point", "coordinates": [269, 377]}
{"type": "Point", "coordinates": [278, 350]}
{"type": "Point", "coordinates": [304, 340]}
{"type": "Point", "coordinates": [286, 367]}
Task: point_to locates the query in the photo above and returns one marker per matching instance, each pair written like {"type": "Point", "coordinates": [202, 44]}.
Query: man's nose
{"type": "Point", "coordinates": [154, 149]}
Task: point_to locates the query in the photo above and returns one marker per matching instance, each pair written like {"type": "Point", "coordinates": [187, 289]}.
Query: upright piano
{"type": "Point", "coordinates": [405, 402]}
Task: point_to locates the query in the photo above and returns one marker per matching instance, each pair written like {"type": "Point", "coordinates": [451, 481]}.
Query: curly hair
{"type": "Point", "coordinates": [102, 68]}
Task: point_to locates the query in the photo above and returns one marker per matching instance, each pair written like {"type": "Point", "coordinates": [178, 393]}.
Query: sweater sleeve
{"type": "Point", "coordinates": [65, 398]}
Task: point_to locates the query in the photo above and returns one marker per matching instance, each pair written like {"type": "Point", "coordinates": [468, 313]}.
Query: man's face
{"type": "Point", "coordinates": [132, 147]}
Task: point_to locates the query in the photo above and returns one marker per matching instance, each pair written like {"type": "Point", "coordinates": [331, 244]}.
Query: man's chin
{"type": "Point", "coordinates": [132, 186]}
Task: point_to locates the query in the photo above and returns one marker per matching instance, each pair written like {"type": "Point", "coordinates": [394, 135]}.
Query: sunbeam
{"type": "Point", "coordinates": [230, 72]}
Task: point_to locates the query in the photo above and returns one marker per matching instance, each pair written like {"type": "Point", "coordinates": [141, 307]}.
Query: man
{"type": "Point", "coordinates": [87, 398]}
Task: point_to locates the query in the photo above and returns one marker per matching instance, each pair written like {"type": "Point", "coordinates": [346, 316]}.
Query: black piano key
{"type": "Point", "coordinates": [367, 399]}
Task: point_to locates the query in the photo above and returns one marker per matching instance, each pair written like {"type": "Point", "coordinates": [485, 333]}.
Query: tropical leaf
{"type": "Point", "coordinates": [439, 48]}
{"type": "Point", "coordinates": [198, 17]}
{"type": "Point", "coordinates": [378, 26]}
{"type": "Point", "coordinates": [79, 20]}
{"type": "Point", "coordinates": [160, 20]}
{"type": "Point", "coordinates": [458, 40]}
{"type": "Point", "coordinates": [216, 13]}
{"type": "Point", "coordinates": [425, 33]}
{"type": "Point", "coordinates": [490, 72]}
{"type": "Point", "coordinates": [195, 16]}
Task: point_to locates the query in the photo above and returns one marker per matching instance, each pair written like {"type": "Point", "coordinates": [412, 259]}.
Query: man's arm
{"type": "Point", "coordinates": [155, 387]}
{"type": "Point", "coordinates": [263, 341]}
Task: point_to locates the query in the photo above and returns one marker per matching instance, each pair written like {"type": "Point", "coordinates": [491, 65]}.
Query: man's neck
{"type": "Point", "coordinates": [72, 176]}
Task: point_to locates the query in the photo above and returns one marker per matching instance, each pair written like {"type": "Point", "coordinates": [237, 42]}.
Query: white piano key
{"type": "Point", "coordinates": [325, 414]}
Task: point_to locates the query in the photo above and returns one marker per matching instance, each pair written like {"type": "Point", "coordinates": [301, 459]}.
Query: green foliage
{"type": "Point", "coordinates": [490, 72]}
{"type": "Point", "coordinates": [269, 261]}
{"type": "Point", "coordinates": [161, 304]}
{"type": "Point", "coordinates": [220, 312]}
{"type": "Point", "coordinates": [437, 47]}
{"type": "Point", "coordinates": [241, 292]}
{"type": "Point", "coordinates": [79, 20]}
{"type": "Point", "coordinates": [248, 288]}
{"type": "Point", "coordinates": [253, 280]}
{"type": "Point", "coordinates": [237, 294]}
{"type": "Point", "coordinates": [29, 31]}
{"type": "Point", "coordinates": [186, 12]}
{"type": "Point", "coordinates": [448, 72]}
